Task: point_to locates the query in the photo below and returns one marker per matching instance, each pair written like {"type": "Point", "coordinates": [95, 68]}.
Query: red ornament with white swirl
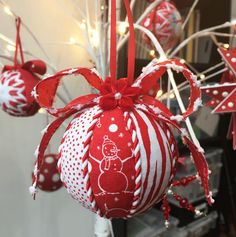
{"type": "Point", "coordinates": [16, 86]}
{"type": "Point", "coordinates": [165, 23]}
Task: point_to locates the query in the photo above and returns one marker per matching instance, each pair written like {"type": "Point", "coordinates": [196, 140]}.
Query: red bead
{"type": "Point", "coordinates": [183, 203]}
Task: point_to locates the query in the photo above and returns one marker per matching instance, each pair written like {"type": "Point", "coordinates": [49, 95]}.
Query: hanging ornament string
{"type": "Point", "coordinates": [113, 42]}
{"type": "Point", "coordinates": [131, 52]}
{"type": "Point", "coordinates": [18, 43]}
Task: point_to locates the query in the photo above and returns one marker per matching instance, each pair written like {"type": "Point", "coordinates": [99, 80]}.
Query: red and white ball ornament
{"type": "Point", "coordinates": [17, 83]}
{"type": "Point", "coordinates": [165, 22]}
{"type": "Point", "coordinates": [118, 155]}
{"type": "Point", "coordinates": [49, 177]}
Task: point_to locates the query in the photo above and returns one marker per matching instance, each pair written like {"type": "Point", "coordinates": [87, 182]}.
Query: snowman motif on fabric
{"type": "Point", "coordinates": [111, 163]}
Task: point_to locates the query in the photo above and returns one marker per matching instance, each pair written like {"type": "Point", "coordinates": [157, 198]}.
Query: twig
{"type": "Point", "coordinates": [202, 33]}
{"type": "Point", "coordinates": [190, 13]}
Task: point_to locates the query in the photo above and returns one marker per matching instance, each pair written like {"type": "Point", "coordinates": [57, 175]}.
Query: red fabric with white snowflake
{"type": "Point", "coordinates": [117, 156]}
{"type": "Point", "coordinates": [17, 83]}
{"type": "Point", "coordinates": [223, 96]}
{"type": "Point", "coordinates": [165, 22]}
{"type": "Point", "coordinates": [49, 178]}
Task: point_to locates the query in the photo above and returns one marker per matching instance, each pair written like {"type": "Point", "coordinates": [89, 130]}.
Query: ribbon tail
{"type": "Point", "coordinates": [50, 130]}
{"type": "Point", "coordinates": [196, 152]}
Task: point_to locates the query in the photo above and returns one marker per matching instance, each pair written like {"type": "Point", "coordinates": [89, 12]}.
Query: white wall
{"type": "Point", "coordinates": [54, 214]}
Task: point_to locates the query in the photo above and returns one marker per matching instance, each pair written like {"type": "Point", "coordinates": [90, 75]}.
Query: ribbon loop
{"type": "Point", "coordinates": [151, 75]}
{"type": "Point", "coordinates": [45, 91]}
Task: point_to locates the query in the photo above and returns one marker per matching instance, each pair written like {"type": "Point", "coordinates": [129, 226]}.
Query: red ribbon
{"type": "Point", "coordinates": [131, 50]}
{"type": "Point", "coordinates": [33, 66]}
{"type": "Point", "coordinates": [18, 43]}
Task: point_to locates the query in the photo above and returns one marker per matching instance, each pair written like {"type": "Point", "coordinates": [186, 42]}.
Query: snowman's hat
{"type": "Point", "coordinates": [108, 141]}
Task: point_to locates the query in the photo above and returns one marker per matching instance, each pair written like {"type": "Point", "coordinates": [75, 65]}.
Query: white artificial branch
{"type": "Point", "coordinates": [190, 13]}
{"type": "Point", "coordinates": [198, 34]}
{"type": "Point", "coordinates": [146, 12]}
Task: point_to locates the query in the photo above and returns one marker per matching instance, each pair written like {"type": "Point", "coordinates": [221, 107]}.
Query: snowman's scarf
{"type": "Point", "coordinates": [125, 95]}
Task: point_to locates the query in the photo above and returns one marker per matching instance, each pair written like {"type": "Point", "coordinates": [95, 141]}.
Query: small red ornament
{"type": "Point", "coordinates": [17, 83]}
{"type": "Point", "coordinates": [49, 178]}
{"type": "Point", "coordinates": [165, 23]}
{"type": "Point", "coordinates": [118, 156]}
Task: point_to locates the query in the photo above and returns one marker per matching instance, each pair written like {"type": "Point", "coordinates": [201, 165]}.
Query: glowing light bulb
{"type": "Point", "coordinates": [102, 7]}
{"type": "Point", "coordinates": [226, 46]}
{"type": "Point", "coordinates": [159, 93]}
{"type": "Point", "coordinates": [122, 28]}
{"type": "Point", "coordinates": [182, 61]}
{"type": "Point", "coordinates": [7, 10]}
{"type": "Point", "coordinates": [10, 47]}
{"type": "Point", "coordinates": [42, 111]}
{"type": "Point", "coordinates": [72, 40]}
{"type": "Point", "coordinates": [202, 76]}
{"type": "Point", "coordinates": [172, 96]}
{"type": "Point", "coordinates": [152, 53]}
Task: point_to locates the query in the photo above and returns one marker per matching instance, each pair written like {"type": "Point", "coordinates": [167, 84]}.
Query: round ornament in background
{"type": "Point", "coordinates": [49, 178]}
{"type": "Point", "coordinates": [16, 86]}
{"type": "Point", "coordinates": [18, 80]}
{"type": "Point", "coordinates": [165, 23]}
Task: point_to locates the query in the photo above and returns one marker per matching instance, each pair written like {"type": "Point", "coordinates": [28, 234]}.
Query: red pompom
{"type": "Point", "coordinates": [165, 23]}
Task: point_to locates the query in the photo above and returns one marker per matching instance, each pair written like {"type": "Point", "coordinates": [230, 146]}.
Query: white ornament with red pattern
{"type": "Point", "coordinates": [124, 152]}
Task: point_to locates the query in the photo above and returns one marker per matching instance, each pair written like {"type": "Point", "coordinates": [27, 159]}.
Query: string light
{"type": "Point", "coordinates": [7, 10]}
{"type": "Point", "coordinates": [122, 28]}
{"type": "Point", "coordinates": [159, 93]}
{"type": "Point", "coordinates": [102, 7]}
{"type": "Point", "coordinates": [72, 40]}
{"type": "Point", "coordinates": [226, 46]}
{"type": "Point", "coordinates": [152, 53]}
{"type": "Point", "coordinates": [42, 111]}
{"type": "Point", "coordinates": [10, 47]}
{"type": "Point", "coordinates": [172, 96]}
{"type": "Point", "coordinates": [182, 61]}
{"type": "Point", "coordinates": [202, 76]}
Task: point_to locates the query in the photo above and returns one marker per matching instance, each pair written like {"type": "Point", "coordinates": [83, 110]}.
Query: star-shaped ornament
{"type": "Point", "coordinates": [229, 57]}
{"type": "Point", "coordinates": [223, 99]}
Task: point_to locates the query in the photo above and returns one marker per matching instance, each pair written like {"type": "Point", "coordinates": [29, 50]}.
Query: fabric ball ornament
{"type": "Point", "coordinates": [49, 178]}
{"type": "Point", "coordinates": [165, 23]}
{"type": "Point", "coordinates": [118, 155]}
{"type": "Point", "coordinates": [17, 83]}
